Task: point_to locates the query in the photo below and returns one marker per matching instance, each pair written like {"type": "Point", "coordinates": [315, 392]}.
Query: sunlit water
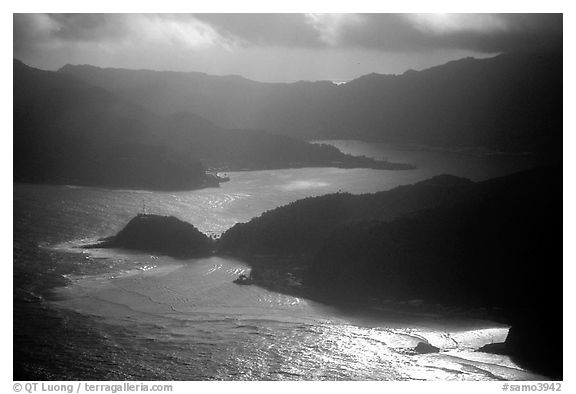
{"type": "Point", "coordinates": [121, 315]}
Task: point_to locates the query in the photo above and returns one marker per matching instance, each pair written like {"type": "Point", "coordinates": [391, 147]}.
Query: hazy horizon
{"type": "Point", "coordinates": [277, 47]}
{"type": "Point", "coordinates": [336, 81]}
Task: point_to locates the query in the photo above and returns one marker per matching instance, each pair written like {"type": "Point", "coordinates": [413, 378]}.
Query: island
{"type": "Point", "coordinates": [164, 235]}
{"type": "Point", "coordinates": [491, 249]}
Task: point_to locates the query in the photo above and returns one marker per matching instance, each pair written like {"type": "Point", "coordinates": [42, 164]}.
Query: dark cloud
{"type": "Point", "coordinates": [389, 32]}
{"type": "Point", "coordinates": [35, 31]}
{"type": "Point", "coordinates": [89, 27]}
{"type": "Point", "coordinates": [26, 32]}
{"type": "Point", "coordinates": [396, 32]}
{"type": "Point", "coordinates": [525, 32]}
{"type": "Point", "coordinates": [264, 29]}
{"type": "Point", "coordinates": [487, 33]}
{"type": "Point", "coordinates": [478, 32]}
{"type": "Point", "coordinates": [138, 32]}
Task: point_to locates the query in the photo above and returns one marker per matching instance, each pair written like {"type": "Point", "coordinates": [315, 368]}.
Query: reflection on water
{"type": "Point", "coordinates": [257, 334]}
{"type": "Point", "coordinates": [303, 185]}
{"type": "Point", "coordinates": [135, 316]}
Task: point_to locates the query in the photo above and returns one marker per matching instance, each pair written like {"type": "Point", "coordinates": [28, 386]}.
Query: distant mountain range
{"type": "Point", "coordinates": [511, 102]}
{"type": "Point", "coordinates": [68, 131]}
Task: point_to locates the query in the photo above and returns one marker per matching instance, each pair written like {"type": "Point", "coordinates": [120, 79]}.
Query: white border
{"type": "Point", "coordinates": [294, 6]}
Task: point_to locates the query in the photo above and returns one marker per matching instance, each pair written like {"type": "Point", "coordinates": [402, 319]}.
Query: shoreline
{"type": "Point", "coordinates": [357, 313]}
{"type": "Point", "coordinates": [221, 178]}
{"type": "Point", "coordinates": [280, 277]}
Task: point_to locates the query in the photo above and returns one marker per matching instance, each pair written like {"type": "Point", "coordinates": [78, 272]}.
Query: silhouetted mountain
{"type": "Point", "coordinates": [298, 228]}
{"type": "Point", "coordinates": [447, 240]}
{"type": "Point", "coordinates": [160, 234]}
{"type": "Point", "coordinates": [67, 131]}
{"type": "Point", "coordinates": [468, 246]}
{"type": "Point", "coordinates": [491, 244]}
{"type": "Point", "coordinates": [511, 102]}
{"type": "Point", "coordinates": [255, 150]}
{"type": "Point", "coordinates": [334, 232]}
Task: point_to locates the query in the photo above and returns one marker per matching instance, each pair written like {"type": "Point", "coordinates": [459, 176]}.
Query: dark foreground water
{"type": "Point", "coordinates": [113, 315]}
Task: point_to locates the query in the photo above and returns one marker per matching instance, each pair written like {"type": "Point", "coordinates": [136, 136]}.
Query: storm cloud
{"type": "Point", "coordinates": [395, 32]}
{"type": "Point", "coordinates": [191, 40]}
{"type": "Point", "coordinates": [481, 32]}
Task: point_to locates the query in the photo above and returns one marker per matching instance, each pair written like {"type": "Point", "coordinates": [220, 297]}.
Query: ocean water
{"type": "Point", "coordinates": [116, 315]}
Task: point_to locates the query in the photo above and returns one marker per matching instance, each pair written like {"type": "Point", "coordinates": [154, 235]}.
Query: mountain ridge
{"type": "Point", "coordinates": [510, 102]}
{"type": "Point", "coordinates": [68, 131]}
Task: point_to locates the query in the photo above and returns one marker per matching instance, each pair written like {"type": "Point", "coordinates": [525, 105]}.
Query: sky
{"type": "Point", "coordinates": [277, 47]}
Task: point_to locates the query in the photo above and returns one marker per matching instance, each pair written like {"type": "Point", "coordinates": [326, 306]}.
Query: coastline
{"type": "Point", "coordinates": [215, 177]}
{"type": "Point", "coordinates": [390, 329]}
{"type": "Point", "coordinates": [282, 275]}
